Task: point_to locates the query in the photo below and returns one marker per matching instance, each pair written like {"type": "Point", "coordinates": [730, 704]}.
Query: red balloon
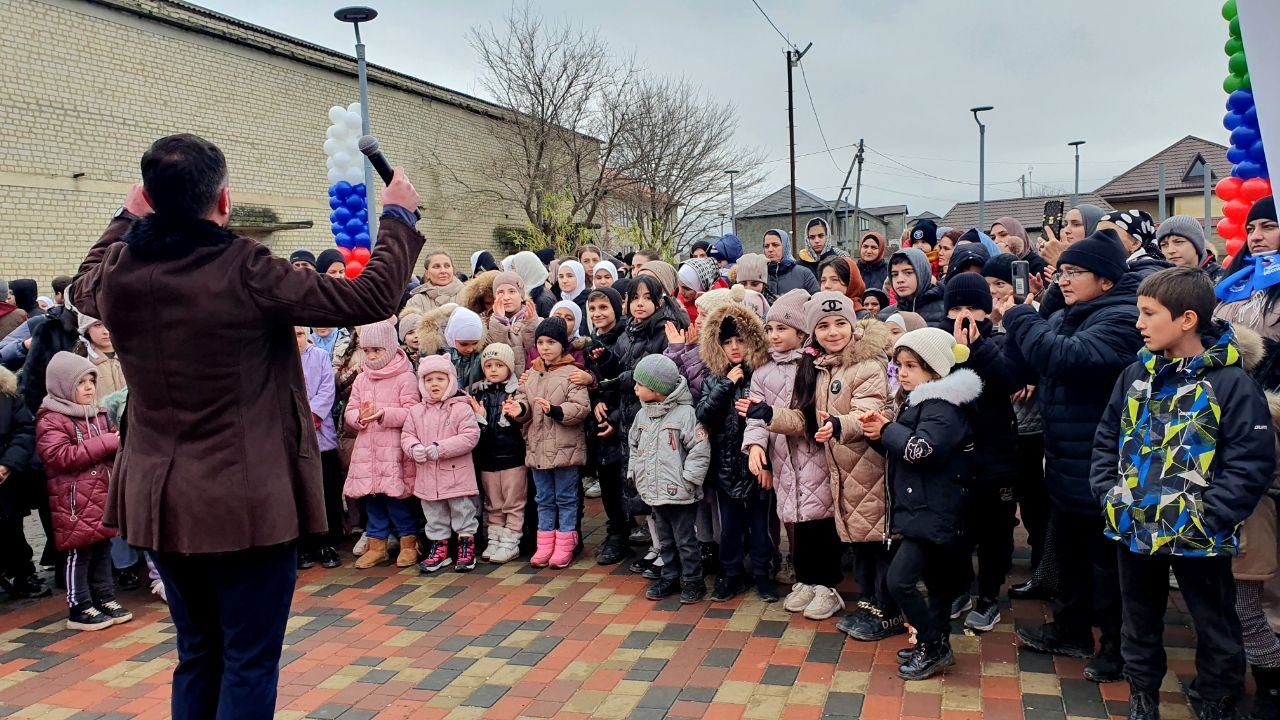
{"type": "Point", "coordinates": [360, 255]}
{"type": "Point", "coordinates": [1228, 230]}
{"type": "Point", "coordinates": [1255, 189]}
{"type": "Point", "coordinates": [1228, 188]}
{"type": "Point", "coordinates": [345, 253]}
{"type": "Point", "coordinates": [1237, 210]}
{"type": "Point", "coordinates": [354, 268]}
{"type": "Point", "coordinates": [1233, 246]}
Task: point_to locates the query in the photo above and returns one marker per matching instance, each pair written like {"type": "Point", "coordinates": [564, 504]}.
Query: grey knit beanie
{"type": "Point", "coordinates": [789, 309]}
{"type": "Point", "coordinates": [658, 373]}
{"type": "Point", "coordinates": [1183, 226]}
{"type": "Point", "coordinates": [752, 266]}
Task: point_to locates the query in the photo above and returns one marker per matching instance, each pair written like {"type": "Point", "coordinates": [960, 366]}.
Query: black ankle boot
{"type": "Point", "coordinates": [1143, 705]}
{"type": "Point", "coordinates": [928, 660]}
{"type": "Point", "coordinates": [1266, 704]}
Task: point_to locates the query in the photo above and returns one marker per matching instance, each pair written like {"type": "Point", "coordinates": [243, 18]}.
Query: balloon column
{"type": "Point", "coordinates": [1249, 180]}
{"type": "Point", "coordinates": [350, 217]}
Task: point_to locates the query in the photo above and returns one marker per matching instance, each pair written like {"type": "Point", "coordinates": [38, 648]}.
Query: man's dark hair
{"type": "Point", "coordinates": [183, 175]}
{"type": "Point", "coordinates": [1180, 289]}
{"type": "Point", "coordinates": [648, 255]}
{"type": "Point", "coordinates": [60, 284]}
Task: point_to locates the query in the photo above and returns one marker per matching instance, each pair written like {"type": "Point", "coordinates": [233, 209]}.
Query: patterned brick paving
{"type": "Point", "coordinates": [508, 642]}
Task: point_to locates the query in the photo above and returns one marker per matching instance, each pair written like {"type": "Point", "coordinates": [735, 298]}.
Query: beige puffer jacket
{"type": "Point", "coordinates": [551, 444]}
{"type": "Point", "coordinates": [427, 297]}
{"type": "Point", "coordinates": [518, 332]}
{"type": "Point", "coordinates": [850, 385]}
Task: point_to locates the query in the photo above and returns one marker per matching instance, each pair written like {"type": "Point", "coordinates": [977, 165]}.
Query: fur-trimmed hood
{"type": "Point", "coordinates": [431, 325]}
{"type": "Point", "coordinates": [477, 294]}
{"type": "Point", "coordinates": [159, 237]}
{"type": "Point", "coordinates": [750, 328]}
{"type": "Point", "coordinates": [870, 338]}
{"type": "Point", "coordinates": [8, 383]}
{"type": "Point", "coordinates": [961, 386]}
{"type": "Point", "coordinates": [1251, 346]}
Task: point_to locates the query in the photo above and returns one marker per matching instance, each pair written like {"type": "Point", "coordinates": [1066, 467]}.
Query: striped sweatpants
{"type": "Point", "coordinates": [88, 575]}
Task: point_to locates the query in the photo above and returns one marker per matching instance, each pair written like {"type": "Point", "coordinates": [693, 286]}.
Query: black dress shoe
{"type": "Point", "coordinates": [128, 579]}
{"type": "Point", "coordinates": [306, 560]}
{"type": "Point", "coordinates": [1030, 590]}
{"type": "Point", "coordinates": [28, 587]}
{"type": "Point", "coordinates": [613, 551]}
{"type": "Point", "coordinates": [1107, 666]}
{"type": "Point", "coordinates": [329, 558]}
{"type": "Point", "coordinates": [928, 660]}
{"type": "Point", "coordinates": [1049, 638]}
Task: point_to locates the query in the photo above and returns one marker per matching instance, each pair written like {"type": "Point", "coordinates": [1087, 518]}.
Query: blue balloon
{"type": "Point", "coordinates": [342, 189]}
{"type": "Point", "coordinates": [1246, 170]}
{"type": "Point", "coordinates": [1256, 153]}
{"type": "Point", "coordinates": [1250, 117]}
{"type": "Point", "coordinates": [1240, 100]}
{"type": "Point", "coordinates": [337, 228]}
{"type": "Point", "coordinates": [1231, 121]}
{"type": "Point", "coordinates": [332, 191]}
{"type": "Point", "coordinates": [334, 202]}
{"type": "Point", "coordinates": [362, 240]}
{"type": "Point", "coordinates": [358, 189]}
{"type": "Point", "coordinates": [354, 202]}
{"type": "Point", "coordinates": [342, 215]}
{"type": "Point", "coordinates": [363, 216]}
{"type": "Point", "coordinates": [355, 227]}
{"type": "Point", "coordinates": [1244, 137]}
{"type": "Point", "coordinates": [1236, 155]}
{"type": "Point", "coordinates": [344, 240]}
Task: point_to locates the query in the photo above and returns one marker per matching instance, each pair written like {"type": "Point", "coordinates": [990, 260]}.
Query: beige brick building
{"type": "Point", "coordinates": [89, 85]}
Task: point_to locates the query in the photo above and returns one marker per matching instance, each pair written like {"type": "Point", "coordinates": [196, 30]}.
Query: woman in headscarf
{"type": "Point", "coordinates": [571, 280]}
{"type": "Point", "coordinates": [695, 277]}
{"type": "Point", "coordinates": [1250, 292]}
{"type": "Point", "coordinates": [1077, 224]}
{"type": "Point", "coordinates": [482, 260]}
{"type": "Point", "coordinates": [605, 275]}
{"type": "Point", "coordinates": [871, 263]}
{"type": "Point", "coordinates": [784, 273]}
{"type": "Point", "coordinates": [840, 274]}
{"type": "Point", "coordinates": [1011, 237]}
{"type": "Point", "coordinates": [531, 269]}
{"type": "Point", "coordinates": [440, 285]}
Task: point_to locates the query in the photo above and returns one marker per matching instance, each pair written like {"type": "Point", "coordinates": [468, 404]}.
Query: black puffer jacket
{"type": "Point", "coordinates": [995, 427]}
{"type": "Point", "coordinates": [874, 274]}
{"type": "Point", "coordinates": [610, 450]}
{"type": "Point", "coordinates": [929, 305]}
{"type": "Point", "coordinates": [501, 446]}
{"type": "Point", "coordinates": [1074, 359]}
{"type": "Point", "coordinates": [56, 334]}
{"type": "Point", "coordinates": [1146, 265]}
{"type": "Point", "coordinates": [17, 448]}
{"type": "Point", "coordinates": [928, 451]}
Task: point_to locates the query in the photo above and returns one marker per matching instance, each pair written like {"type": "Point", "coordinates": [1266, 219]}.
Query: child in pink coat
{"type": "Point", "coordinates": [439, 435]}
{"type": "Point", "coordinates": [379, 472]}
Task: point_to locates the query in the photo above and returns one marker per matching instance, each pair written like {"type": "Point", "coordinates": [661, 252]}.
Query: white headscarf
{"type": "Point", "coordinates": [608, 267]}
{"type": "Point", "coordinates": [464, 326]}
{"type": "Point", "coordinates": [572, 307]}
{"type": "Point", "coordinates": [579, 272]}
{"type": "Point", "coordinates": [530, 268]}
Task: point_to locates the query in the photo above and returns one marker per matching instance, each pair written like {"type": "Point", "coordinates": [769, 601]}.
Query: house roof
{"type": "Point", "coordinates": [1143, 180]}
{"type": "Point", "coordinates": [926, 215]}
{"type": "Point", "coordinates": [883, 210]}
{"type": "Point", "coordinates": [1029, 210]}
{"type": "Point", "coordinates": [778, 202]}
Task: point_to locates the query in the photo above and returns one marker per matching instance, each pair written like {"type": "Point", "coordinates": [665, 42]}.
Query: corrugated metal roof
{"type": "Point", "coordinates": [1143, 179]}
{"type": "Point", "coordinates": [1029, 211]}
{"type": "Point", "coordinates": [883, 210]}
{"type": "Point", "coordinates": [779, 203]}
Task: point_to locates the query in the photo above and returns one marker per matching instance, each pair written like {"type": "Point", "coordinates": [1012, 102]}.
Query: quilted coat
{"type": "Point", "coordinates": [688, 359]}
{"type": "Point", "coordinates": [77, 455]}
{"type": "Point", "coordinates": [552, 443]}
{"type": "Point", "coordinates": [17, 450]}
{"type": "Point", "coordinates": [610, 450]}
{"type": "Point", "coordinates": [450, 424]}
{"type": "Point", "coordinates": [378, 464]}
{"type": "Point", "coordinates": [729, 472]}
{"type": "Point", "coordinates": [427, 297]}
{"type": "Point", "coordinates": [669, 451]}
{"type": "Point", "coordinates": [800, 478]}
{"type": "Point", "coordinates": [851, 384]}
{"type": "Point", "coordinates": [516, 332]}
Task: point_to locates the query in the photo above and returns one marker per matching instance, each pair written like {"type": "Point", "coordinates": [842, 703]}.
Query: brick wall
{"type": "Point", "coordinates": [89, 85]}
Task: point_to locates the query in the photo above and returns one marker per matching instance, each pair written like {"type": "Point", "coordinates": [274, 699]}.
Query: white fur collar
{"type": "Point", "coordinates": [961, 386]}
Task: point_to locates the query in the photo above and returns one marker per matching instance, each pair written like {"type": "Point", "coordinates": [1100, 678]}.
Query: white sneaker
{"type": "Point", "coordinates": [157, 589]}
{"type": "Point", "coordinates": [826, 602]}
{"type": "Point", "coordinates": [799, 598]}
{"type": "Point", "coordinates": [508, 548]}
{"type": "Point", "coordinates": [786, 571]}
{"type": "Point", "coordinates": [592, 488]}
{"type": "Point", "coordinates": [496, 535]}
{"type": "Point", "coordinates": [361, 545]}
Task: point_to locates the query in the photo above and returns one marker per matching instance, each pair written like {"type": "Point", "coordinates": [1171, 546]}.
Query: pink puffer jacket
{"type": "Point", "coordinates": [451, 425]}
{"type": "Point", "coordinates": [800, 477]}
{"type": "Point", "coordinates": [77, 455]}
{"type": "Point", "coordinates": [378, 464]}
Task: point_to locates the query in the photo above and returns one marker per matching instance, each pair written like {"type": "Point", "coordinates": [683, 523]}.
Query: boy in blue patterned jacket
{"type": "Point", "coordinates": [1183, 454]}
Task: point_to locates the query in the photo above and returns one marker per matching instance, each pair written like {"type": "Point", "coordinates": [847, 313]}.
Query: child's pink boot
{"type": "Point", "coordinates": [546, 546]}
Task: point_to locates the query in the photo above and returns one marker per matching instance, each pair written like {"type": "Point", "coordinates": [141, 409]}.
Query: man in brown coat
{"type": "Point", "coordinates": [220, 473]}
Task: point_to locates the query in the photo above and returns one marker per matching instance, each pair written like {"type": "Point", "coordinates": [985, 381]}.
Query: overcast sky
{"type": "Point", "coordinates": [1129, 77]}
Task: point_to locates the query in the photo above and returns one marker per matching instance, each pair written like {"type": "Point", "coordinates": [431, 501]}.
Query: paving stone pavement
{"type": "Point", "coordinates": [508, 641]}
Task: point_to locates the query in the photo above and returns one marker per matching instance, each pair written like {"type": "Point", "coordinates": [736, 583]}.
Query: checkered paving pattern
{"type": "Point", "coordinates": [508, 641]}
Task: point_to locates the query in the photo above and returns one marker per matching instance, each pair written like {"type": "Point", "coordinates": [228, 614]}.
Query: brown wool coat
{"type": "Point", "coordinates": [221, 454]}
{"type": "Point", "coordinates": [857, 471]}
{"type": "Point", "coordinates": [550, 444]}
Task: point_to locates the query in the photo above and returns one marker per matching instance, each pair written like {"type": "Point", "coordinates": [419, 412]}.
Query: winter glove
{"type": "Point", "coordinates": [760, 411]}
{"type": "Point", "coordinates": [419, 453]}
{"type": "Point", "coordinates": [432, 451]}
{"type": "Point", "coordinates": [556, 413]}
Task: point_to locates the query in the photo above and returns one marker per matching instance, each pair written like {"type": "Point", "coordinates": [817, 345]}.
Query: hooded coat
{"type": "Point", "coordinates": [810, 259]}
{"type": "Point", "coordinates": [56, 332]}
{"type": "Point", "coordinates": [554, 443]}
{"type": "Point", "coordinates": [785, 274]}
{"type": "Point", "coordinates": [729, 473]}
{"type": "Point", "coordinates": [669, 451]}
{"type": "Point", "coordinates": [727, 248]}
{"type": "Point", "coordinates": [1074, 359]}
{"type": "Point", "coordinates": [450, 425]}
{"type": "Point", "coordinates": [928, 301]}
{"type": "Point", "coordinates": [427, 297]}
{"type": "Point", "coordinates": [849, 385]}
{"type": "Point", "coordinates": [11, 317]}
{"type": "Point", "coordinates": [875, 273]}
{"type": "Point", "coordinates": [378, 465]}
{"type": "Point", "coordinates": [501, 445]}
{"type": "Point", "coordinates": [516, 331]}
{"type": "Point", "coordinates": [17, 450]}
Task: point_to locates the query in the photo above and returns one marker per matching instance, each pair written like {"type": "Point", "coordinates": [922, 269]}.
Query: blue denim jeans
{"type": "Point", "coordinates": [557, 497]}
{"type": "Point", "coordinates": [386, 513]}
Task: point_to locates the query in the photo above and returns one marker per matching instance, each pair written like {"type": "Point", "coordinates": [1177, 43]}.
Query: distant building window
{"type": "Point", "coordinates": [864, 224]}
{"type": "Point", "coordinates": [1197, 170]}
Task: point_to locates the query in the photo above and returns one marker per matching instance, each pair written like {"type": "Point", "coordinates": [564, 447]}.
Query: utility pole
{"type": "Point", "coordinates": [982, 163]}
{"type": "Point", "coordinates": [793, 59]}
{"type": "Point", "coordinates": [1075, 193]}
{"type": "Point", "coordinates": [835, 207]}
{"type": "Point", "coordinates": [1022, 180]}
{"type": "Point", "coordinates": [857, 193]}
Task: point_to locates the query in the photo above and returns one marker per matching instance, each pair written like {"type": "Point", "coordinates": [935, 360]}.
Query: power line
{"type": "Point", "coordinates": [814, 108]}
{"type": "Point", "coordinates": [781, 34]}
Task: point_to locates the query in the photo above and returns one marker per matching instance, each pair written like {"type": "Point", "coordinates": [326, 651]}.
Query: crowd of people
{"type": "Point", "coordinates": [776, 422]}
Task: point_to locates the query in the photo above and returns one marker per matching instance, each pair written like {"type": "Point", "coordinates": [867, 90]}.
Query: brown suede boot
{"type": "Point", "coordinates": [408, 552]}
{"type": "Point", "coordinates": [376, 554]}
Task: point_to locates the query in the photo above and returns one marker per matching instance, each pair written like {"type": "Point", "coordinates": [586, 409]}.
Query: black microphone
{"type": "Point", "coordinates": [369, 146]}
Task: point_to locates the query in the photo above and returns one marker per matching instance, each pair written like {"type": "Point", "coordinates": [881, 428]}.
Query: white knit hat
{"type": "Point", "coordinates": [464, 326]}
{"type": "Point", "coordinates": [937, 348]}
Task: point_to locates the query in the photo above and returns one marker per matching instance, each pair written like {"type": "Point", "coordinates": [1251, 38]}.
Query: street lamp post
{"type": "Point", "coordinates": [356, 15]}
{"type": "Point", "coordinates": [733, 212]}
{"type": "Point", "coordinates": [982, 164]}
{"type": "Point", "coordinates": [1075, 194]}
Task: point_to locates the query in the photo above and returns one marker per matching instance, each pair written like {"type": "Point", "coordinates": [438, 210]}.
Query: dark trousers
{"type": "Point", "coordinates": [990, 521]}
{"type": "Point", "coordinates": [871, 572]}
{"type": "Point", "coordinates": [1029, 490]}
{"type": "Point", "coordinates": [230, 611]}
{"type": "Point", "coordinates": [1088, 583]}
{"type": "Point", "coordinates": [816, 552]}
{"type": "Point", "coordinates": [88, 575]}
{"type": "Point", "coordinates": [15, 552]}
{"type": "Point", "coordinates": [617, 524]}
{"type": "Point", "coordinates": [678, 542]}
{"type": "Point", "coordinates": [335, 514]}
{"type": "Point", "coordinates": [916, 561]}
{"type": "Point", "coordinates": [1210, 594]}
{"type": "Point", "coordinates": [744, 527]}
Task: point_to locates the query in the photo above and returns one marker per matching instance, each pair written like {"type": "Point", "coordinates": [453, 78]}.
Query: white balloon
{"type": "Point", "coordinates": [332, 132]}
{"type": "Point", "coordinates": [342, 158]}
{"type": "Point", "coordinates": [330, 164]}
{"type": "Point", "coordinates": [355, 176]}
{"type": "Point", "coordinates": [353, 122]}
{"type": "Point", "coordinates": [335, 114]}
{"type": "Point", "coordinates": [330, 147]}
{"type": "Point", "coordinates": [354, 108]}
{"type": "Point", "coordinates": [334, 176]}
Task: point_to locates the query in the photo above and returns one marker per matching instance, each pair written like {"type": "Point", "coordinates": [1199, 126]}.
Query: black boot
{"type": "Point", "coordinates": [1050, 638]}
{"type": "Point", "coordinates": [1266, 704]}
{"type": "Point", "coordinates": [1223, 708]}
{"type": "Point", "coordinates": [613, 551]}
{"type": "Point", "coordinates": [1029, 590]}
{"type": "Point", "coordinates": [1143, 705]}
{"type": "Point", "coordinates": [1108, 665]}
{"type": "Point", "coordinates": [711, 560]}
{"type": "Point", "coordinates": [928, 660]}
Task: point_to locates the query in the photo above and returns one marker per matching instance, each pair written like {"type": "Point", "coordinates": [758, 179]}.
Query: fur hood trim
{"type": "Point", "coordinates": [8, 383]}
{"type": "Point", "coordinates": [157, 237]}
{"type": "Point", "coordinates": [961, 386]}
{"type": "Point", "coordinates": [870, 338]}
{"type": "Point", "coordinates": [430, 329]}
{"type": "Point", "coordinates": [477, 294]}
{"type": "Point", "coordinates": [749, 328]}
{"type": "Point", "coordinates": [1251, 347]}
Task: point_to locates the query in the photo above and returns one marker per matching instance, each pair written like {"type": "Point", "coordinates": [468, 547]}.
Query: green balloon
{"type": "Point", "coordinates": [1246, 83]}
{"type": "Point", "coordinates": [1237, 64]}
{"type": "Point", "coordinates": [1232, 83]}
{"type": "Point", "coordinates": [1235, 26]}
{"type": "Point", "coordinates": [1233, 46]}
{"type": "Point", "coordinates": [1229, 10]}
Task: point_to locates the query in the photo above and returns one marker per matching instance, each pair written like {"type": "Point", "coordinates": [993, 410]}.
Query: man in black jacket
{"type": "Point", "coordinates": [1074, 358]}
